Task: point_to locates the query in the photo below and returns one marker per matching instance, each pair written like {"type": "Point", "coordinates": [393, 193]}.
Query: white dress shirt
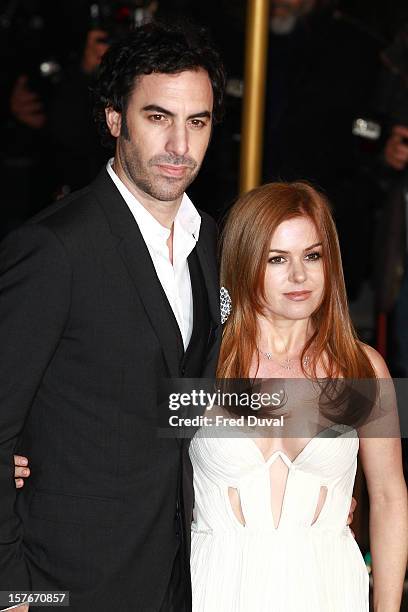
{"type": "Point", "coordinates": [174, 278]}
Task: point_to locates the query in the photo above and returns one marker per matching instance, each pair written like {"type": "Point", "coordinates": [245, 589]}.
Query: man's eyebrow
{"type": "Point", "coordinates": [159, 109]}
{"type": "Point", "coordinates": [312, 246]}
{"type": "Point", "coordinates": [202, 115]}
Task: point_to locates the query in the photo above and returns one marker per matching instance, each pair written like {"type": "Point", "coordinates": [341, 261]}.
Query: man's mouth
{"type": "Point", "coordinates": [172, 170]}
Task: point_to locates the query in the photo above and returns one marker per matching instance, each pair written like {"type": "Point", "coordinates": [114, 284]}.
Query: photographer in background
{"type": "Point", "coordinates": [323, 67]}
{"type": "Point", "coordinates": [78, 152]}
{"type": "Point", "coordinates": [396, 213]}
{"type": "Point", "coordinates": [26, 105]}
{"type": "Point", "coordinates": [392, 251]}
{"type": "Point", "coordinates": [50, 52]}
{"type": "Point", "coordinates": [29, 71]}
{"type": "Point", "coordinates": [396, 149]}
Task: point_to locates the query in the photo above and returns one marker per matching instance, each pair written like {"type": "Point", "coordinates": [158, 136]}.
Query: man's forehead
{"type": "Point", "coordinates": [189, 87]}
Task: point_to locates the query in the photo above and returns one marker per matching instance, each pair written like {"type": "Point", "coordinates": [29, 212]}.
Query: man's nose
{"type": "Point", "coordinates": [297, 272]}
{"type": "Point", "coordinates": [177, 143]}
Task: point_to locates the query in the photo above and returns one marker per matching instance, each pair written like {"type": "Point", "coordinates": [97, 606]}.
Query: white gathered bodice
{"type": "Point", "coordinates": [256, 563]}
{"type": "Point", "coordinates": [237, 462]}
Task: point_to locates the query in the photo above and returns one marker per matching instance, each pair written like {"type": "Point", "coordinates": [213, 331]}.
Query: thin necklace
{"type": "Point", "coordinates": [287, 364]}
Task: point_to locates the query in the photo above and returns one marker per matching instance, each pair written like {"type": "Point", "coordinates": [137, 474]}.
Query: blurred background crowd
{"type": "Point", "coordinates": [336, 115]}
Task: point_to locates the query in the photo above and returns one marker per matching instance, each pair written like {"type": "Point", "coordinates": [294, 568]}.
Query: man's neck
{"type": "Point", "coordinates": [163, 212]}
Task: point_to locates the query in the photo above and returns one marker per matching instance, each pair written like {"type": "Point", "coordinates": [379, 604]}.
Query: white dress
{"type": "Point", "coordinates": [255, 567]}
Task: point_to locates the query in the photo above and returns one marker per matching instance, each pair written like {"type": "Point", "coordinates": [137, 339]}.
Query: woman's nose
{"type": "Point", "coordinates": [297, 272]}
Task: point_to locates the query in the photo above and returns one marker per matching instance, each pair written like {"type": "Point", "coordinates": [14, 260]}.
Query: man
{"type": "Point", "coordinates": [103, 295]}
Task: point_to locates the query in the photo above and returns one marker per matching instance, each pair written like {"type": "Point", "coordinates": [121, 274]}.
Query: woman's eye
{"type": "Point", "coordinates": [313, 256]}
{"type": "Point", "coordinates": [278, 259]}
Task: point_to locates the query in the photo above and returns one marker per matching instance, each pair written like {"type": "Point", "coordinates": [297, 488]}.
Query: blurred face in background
{"type": "Point", "coordinates": [285, 13]}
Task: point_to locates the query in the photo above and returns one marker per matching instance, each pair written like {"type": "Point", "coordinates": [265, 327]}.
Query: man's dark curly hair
{"type": "Point", "coordinates": [153, 47]}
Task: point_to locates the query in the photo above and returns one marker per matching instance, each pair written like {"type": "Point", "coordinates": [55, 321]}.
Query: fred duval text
{"type": "Point", "coordinates": [224, 421]}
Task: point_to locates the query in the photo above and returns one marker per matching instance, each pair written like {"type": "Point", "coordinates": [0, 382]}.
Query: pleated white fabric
{"type": "Point", "coordinates": [255, 567]}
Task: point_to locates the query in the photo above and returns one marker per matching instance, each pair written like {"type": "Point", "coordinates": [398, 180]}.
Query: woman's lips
{"type": "Point", "coordinates": [298, 296]}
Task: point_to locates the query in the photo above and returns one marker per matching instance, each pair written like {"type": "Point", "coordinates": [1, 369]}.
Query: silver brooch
{"type": "Point", "coordinates": [225, 304]}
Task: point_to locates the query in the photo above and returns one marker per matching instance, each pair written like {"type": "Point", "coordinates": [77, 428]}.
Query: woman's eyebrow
{"type": "Point", "coordinates": [312, 246]}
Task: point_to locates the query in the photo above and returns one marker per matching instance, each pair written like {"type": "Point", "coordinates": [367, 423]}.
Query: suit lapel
{"type": "Point", "coordinates": [136, 257]}
{"type": "Point", "coordinates": [210, 274]}
{"type": "Point", "coordinates": [141, 269]}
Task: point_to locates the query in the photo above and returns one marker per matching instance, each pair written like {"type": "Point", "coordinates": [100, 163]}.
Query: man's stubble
{"type": "Point", "coordinates": [140, 172]}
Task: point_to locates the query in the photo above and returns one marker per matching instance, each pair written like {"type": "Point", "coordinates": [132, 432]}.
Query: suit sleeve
{"type": "Point", "coordinates": [35, 288]}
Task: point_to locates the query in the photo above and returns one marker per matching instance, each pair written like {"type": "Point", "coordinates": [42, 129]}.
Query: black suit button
{"type": "Point", "coordinates": [183, 371]}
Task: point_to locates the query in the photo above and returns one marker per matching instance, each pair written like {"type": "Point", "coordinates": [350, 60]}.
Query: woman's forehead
{"type": "Point", "coordinates": [294, 233]}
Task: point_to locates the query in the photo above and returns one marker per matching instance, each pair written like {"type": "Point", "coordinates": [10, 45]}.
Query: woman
{"type": "Point", "coordinates": [270, 513]}
{"type": "Point", "coordinates": [268, 531]}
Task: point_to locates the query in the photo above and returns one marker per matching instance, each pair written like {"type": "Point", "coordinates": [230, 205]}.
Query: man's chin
{"type": "Point", "coordinates": [169, 195]}
{"type": "Point", "coordinates": [173, 188]}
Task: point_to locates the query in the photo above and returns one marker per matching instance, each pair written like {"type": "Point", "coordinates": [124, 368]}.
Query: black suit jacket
{"type": "Point", "coordinates": [86, 334]}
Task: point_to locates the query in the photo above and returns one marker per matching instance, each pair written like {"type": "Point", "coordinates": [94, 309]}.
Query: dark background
{"type": "Point", "coordinates": [321, 78]}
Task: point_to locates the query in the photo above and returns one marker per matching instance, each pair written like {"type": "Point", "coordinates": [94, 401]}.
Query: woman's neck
{"type": "Point", "coordinates": [283, 337]}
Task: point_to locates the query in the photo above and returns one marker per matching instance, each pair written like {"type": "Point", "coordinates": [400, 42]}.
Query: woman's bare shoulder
{"type": "Point", "coordinates": [377, 361]}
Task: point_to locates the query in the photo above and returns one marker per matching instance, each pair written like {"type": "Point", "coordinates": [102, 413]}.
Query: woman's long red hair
{"type": "Point", "coordinates": [245, 246]}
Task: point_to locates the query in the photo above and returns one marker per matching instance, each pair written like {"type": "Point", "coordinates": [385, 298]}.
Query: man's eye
{"type": "Point", "coordinates": [197, 123]}
{"type": "Point", "coordinates": [156, 118]}
{"type": "Point", "coordinates": [278, 259]}
{"type": "Point", "coordinates": [313, 256]}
